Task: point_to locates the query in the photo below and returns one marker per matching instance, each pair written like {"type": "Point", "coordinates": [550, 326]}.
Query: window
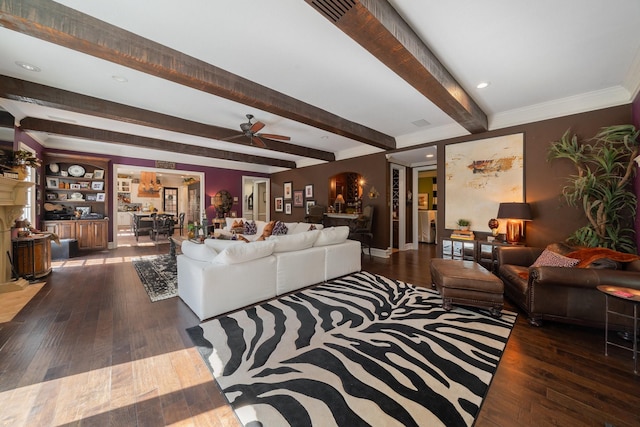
{"type": "Point", "coordinates": [29, 210]}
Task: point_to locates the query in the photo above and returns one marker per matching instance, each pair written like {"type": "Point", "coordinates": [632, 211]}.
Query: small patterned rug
{"type": "Point", "coordinates": [159, 276]}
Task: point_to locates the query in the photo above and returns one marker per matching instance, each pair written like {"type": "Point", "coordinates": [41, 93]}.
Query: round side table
{"type": "Point", "coordinates": [633, 297]}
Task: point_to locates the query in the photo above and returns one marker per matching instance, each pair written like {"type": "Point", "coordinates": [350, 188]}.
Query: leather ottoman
{"type": "Point", "coordinates": [467, 283]}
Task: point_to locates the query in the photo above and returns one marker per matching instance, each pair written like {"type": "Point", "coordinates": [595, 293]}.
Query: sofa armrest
{"type": "Point", "coordinates": [517, 255]}
{"type": "Point", "coordinates": [587, 278]}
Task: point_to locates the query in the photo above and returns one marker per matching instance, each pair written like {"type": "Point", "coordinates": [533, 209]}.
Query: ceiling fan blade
{"type": "Point", "coordinates": [272, 136]}
{"type": "Point", "coordinates": [258, 142]}
{"type": "Point", "coordinates": [257, 126]}
{"type": "Point", "coordinates": [229, 138]}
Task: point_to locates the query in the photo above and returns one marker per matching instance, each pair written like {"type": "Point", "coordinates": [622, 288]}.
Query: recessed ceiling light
{"type": "Point", "coordinates": [428, 156]}
{"type": "Point", "coordinates": [482, 85]}
{"type": "Point", "coordinates": [28, 67]}
{"type": "Point", "coordinates": [120, 79]}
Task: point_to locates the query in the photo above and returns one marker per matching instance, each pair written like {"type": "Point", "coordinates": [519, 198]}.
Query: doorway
{"type": "Point", "coordinates": [425, 205]}
{"type": "Point", "coordinates": [256, 198]}
{"type": "Point", "coordinates": [126, 179]}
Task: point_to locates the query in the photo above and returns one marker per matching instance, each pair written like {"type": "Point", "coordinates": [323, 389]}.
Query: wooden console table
{"type": "Point", "coordinates": [480, 251]}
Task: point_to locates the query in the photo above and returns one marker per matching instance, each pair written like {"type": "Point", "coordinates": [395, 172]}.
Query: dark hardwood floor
{"type": "Point", "coordinates": [91, 349]}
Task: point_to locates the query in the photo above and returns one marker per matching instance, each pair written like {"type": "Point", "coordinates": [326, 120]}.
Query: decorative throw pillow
{"type": "Point", "coordinates": [267, 230]}
{"type": "Point", "coordinates": [238, 226]}
{"type": "Point", "coordinates": [250, 228]}
{"type": "Point", "coordinates": [279, 229]}
{"type": "Point", "coordinates": [312, 227]}
{"type": "Point", "coordinates": [552, 259]}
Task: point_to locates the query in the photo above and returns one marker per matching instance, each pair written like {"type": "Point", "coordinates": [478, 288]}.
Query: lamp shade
{"type": "Point", "coordinates": [515, 210]}
{"type": "Point", "coordinates": [339, 199]}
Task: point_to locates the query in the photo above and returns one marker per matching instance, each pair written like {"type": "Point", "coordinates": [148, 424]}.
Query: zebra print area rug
{"type": "Point", "coordinates": [360, 350]}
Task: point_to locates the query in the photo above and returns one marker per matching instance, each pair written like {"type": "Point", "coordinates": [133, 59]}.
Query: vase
{"type": "Point", "coordinates": [21, 170]}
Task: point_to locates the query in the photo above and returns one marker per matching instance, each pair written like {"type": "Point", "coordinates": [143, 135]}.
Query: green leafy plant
{"type": "Point", "coordinates": [25, 158]}
{"type": "Point", "coordinates": [463, 223]}
{"type": "Point", "coordinates": [602, 185]}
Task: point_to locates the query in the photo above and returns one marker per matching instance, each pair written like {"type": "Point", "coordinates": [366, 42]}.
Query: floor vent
{"type": "Point", "coordinates": [332, 9]}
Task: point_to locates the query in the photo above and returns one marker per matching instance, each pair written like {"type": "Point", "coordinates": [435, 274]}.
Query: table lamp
{"type": "Point", "coordinates": [515, 213]}
{"type": "Point", "coordinates": [339, 202]}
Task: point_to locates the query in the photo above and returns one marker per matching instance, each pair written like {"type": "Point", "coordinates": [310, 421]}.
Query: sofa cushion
{"type": "Point", "coordinates": [198, 251]}
{"type": "Point", "coordinates": [294, 242]}
{"type": "Point", "coordinates": [244, 252]}
{"type": "Point", "coordinates": [279, 229]}
{"type": "Point", "coordinates": [332, 236]}
{"type": "Point", "coordinates": [552, 259]}
{"type": "Point", "coordinates": [222, 243]}
{"type": "Point", "coordinates": [250, 228]}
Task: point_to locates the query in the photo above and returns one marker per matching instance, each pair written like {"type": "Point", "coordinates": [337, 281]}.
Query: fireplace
{"type": "Point", "coordinates": [13, 198]}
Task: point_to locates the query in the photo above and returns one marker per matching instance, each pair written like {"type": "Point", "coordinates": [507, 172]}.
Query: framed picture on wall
{"type": "Point", "coordinates": [288, 190]}
{"type": "Point", "coordinates": [298, 199]}
{"type": "Point", "coordinates": [287, 208]}
{"type": "Point", "coordinates": [308, 191]}
{"type": "Point", "coordinates": [279, 204]}
{"type": "Point", "coordinates": [308, 205]}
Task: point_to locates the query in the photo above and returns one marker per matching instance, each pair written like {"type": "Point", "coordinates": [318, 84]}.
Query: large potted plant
{"type": "Point", "coordinates": [602, 185]}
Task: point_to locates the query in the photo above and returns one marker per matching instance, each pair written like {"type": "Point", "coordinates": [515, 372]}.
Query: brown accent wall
{"type": "Point", "coordinates": [373, 168]}
{"type": "Point", "coordinates": [553, 221]}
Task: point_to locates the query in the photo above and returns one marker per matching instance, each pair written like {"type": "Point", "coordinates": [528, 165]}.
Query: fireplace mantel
{"type": "Point", "coordinates": [13, 198]}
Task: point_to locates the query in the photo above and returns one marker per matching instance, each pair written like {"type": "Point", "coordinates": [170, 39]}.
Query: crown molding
{"type": "Point", "coordinates": [590, 101]}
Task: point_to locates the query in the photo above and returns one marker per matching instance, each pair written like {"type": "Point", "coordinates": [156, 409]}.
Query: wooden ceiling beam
{"type": "Point", "coordinates": [377, 26]}
{"type": "Point", "coordinates": [83, 132]}
{"type": "Point", "coordinates": [56, 23]}
{"type": "Point", "coordinates": [7, 120]}
{"type": "Point", "coordinates": [34, 93]}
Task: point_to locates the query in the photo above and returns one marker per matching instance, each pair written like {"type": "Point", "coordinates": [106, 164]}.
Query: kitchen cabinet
{"type": "Point", "coordinates": [124, 219]}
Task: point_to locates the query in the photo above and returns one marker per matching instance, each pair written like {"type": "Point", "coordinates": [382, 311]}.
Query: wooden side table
{"type": "Point", "coordinates": [632, 296]}
{"type": "Point", "coordinates": [32, 256]}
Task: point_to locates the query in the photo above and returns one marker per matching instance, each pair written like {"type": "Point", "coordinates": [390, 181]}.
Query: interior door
{"type": "Point", "coordinates": [170, 200]}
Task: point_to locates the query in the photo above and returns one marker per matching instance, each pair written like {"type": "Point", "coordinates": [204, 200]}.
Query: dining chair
{"type": "Point", "coordinates": [362, 231]}
{"type": "Point", "coordinates": [180, 225]}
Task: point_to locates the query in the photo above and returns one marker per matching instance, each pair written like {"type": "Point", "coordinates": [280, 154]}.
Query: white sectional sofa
{"type": "Point", "coordinates": [225, 275]}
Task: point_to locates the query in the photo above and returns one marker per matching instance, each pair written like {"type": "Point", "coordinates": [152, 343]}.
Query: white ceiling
{"type": "Point", "coordinates": [543, 59]}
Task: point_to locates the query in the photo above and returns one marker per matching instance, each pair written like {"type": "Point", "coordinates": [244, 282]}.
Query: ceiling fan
{"type": "Point", "coordinates": [250, 130]}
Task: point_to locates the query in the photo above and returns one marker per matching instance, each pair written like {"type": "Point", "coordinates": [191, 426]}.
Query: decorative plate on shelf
{"type": "Point", "coordinates": [76, 196]}
{"type": "Point", "coordinates": [76, 170]}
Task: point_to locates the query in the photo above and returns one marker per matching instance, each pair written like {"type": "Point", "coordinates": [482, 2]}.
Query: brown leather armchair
{"type": "Point", "coordinates": [566, 294]}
